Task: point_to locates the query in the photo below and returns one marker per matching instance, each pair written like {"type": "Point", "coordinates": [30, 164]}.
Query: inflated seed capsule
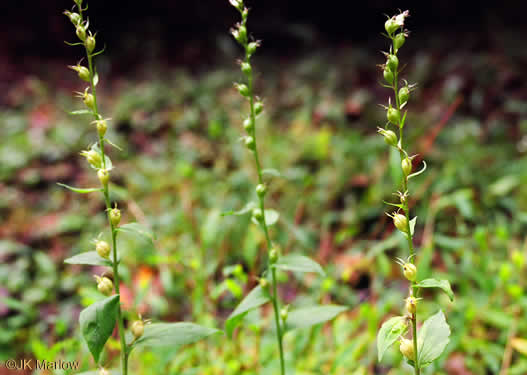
{"type": "Point", "coordinates": [388, 75]}
{"type": "Point", "coordinates": [400, 222]}
{"type": "Point", "coordinates": [138, 328]}
{"type": "Point", "coordinates": [90, 43]}
{"type": "Point", "coordinates": [389, 137]}
{"type": "Point", "coordinates": [399, 41]}
{"type": "Point", "coordinates": [115, 216]}
{"type": "Point", "coordinates": [93, 157]}
{"type": "Point", "coordinates": [261, 190]}
{"type": "Point", "coordinates": [81, 32]}
{"type": "Point", "coordinates": [104, 176]}
{"type": "Point", "coordinates": [391, 26]}
{"type": "Point", "coordinates": [248, 124]}
{"type": "Point", "coordinates": [258, 107]}
{"type": "Point", "coordinates": [250, 143]}
{"type": "Point", "coordinates": [246, 68]}
{"type": "Point", "coordinates": [407, 348]}
{"type": "Point", "coordinates": [404, 94]}
{"type": "Point", "coordinates": [411, 305]}
{"type": "Point", "coordinates": [406, 166]}
{"type": "Point", "coordinates": [75, 18]}
{"type": "Point", "coordinates": [393, 115]}
{"type": "Point", "coordinates": [82, 71]}
{"type": "Point", "coordinates": [103, 249]}
{"type": "Point", "coordinates": [243, 89]}
{"type": "Point", "coordinates": [104, 285]}
{"type": "Point", "coordinates": [392, 63]}
{"type": "Point", "coordinates": [410, 271]}
{"type": "Point", "coordinates": [101, 126]}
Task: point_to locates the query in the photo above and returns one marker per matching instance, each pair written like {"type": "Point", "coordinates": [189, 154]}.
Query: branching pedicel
{"type": "Point", "coordinates": [267, 290]}
{"type": "Point", "coordinates": [427, 345]}
{"type": "Point", "coordinates": [98, 320]}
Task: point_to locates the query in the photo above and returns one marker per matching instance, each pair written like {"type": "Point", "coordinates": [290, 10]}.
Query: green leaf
{"type": "Point", "coordinates": [432, 339]}
{"type": "Point", "coordinates": [390, 331]}
{"type": "Point", "coordinates": [271, 172]}
{"type": "Point", "coordinates": [256, 298]}
{"type": "Point", "coordinates": [173, 335]}
{"type": "Point", "coordinates": [81, 112]}
{"type": "Point", "coordinates": [271, 217]}
{"type": "Point", "coordinates": [97, 322]}
{"type": "Point", "coordinates": [309, 316]}
{"type": "Point", "coordinates": [95, 79]}
{"type": "Point", "coordinates": [444, 285]}
{"type": "Point", "coordinates": [412, 226]}
{"type": "Point", "coordinates": [298, 263]}
{"type": "Point", "coordinates": [78, 190]}
{"type": "Point", "coordinates": [90, 258]}
{"type": "Point", "coordinates": [245, 210]}
{"type": "Point", "coordinates": [139, 230]}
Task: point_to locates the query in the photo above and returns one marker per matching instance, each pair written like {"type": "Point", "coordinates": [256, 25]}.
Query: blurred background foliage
{"type": "Point", "coordinates": [182, 165]}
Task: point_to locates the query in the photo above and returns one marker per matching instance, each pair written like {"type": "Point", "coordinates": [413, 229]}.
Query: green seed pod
{"type": "Point", "coordinates": [246, 68]}
{"type": "Point", "coordinates": [399, 41]}
{"type": "Point", "coordinates": [93, 157]}
{"type": "Point", "coordinates": [388, 75]}
{"type": "Point", "coordinates": [82, 71]}
{"type": "Point", "coordinates": [90, 43]}
{"type": "Point", "coordinates": [104, 285]}
{"type": "Point", "coordinates": [400, 222]}
{"type": "Point", "coordinates": [81, 32]}
{"type": "Point", "coordinates": [410, 271]}
{"type": "Point", "coordinates": [251, 48]}
{"type": "Point", "coordinates": [261, 190]}
{"type": "Point", "coordinates": [392, 63]}
{"type": "Point", "coordinates": [102, 126]}
{"type": "Point", "coordinates": [75, 18]}
{"type": "Point", "coordinates": [243, 89]}
{"type": "Point", "coordinates": [103, 249]}
{"type": "Point", "coordinates": [389, 137]}
{"type": "Point", "coordinates": [406, 166]}
{"type": "Point", "coordinates": [104, 176]}
{"type": "Point", "coordinates": [248, 125]}
{"type": "Point", "coordinates": [391, 26]}
{"type": "Point", "coordinates": [242, 34]}
{"type": "Point", "coordinates": [263, 282]}
{"type": "Point", "coordinates": [250, 143]}
{"type": "Point", "coordinates": [393, 115]}
{"type": "Point", "coordinates": [115, 216]}
{"type": "Point", "coordinates": [284, 311]}
{"type": "Point", "coordinates": [404, 94]}
{"type": "Point", "coordinates": [258, 107]}
{"type": "Point", "coordinates": [407, 349]}
{"type": "Point", "coordinates": [138, 328]}
{"type": "Point", "coordinates": [411, 305]}
{"type": "Point", "coordinates": [258, 214]}
{"type": "Point", "coordinates": [273, 255]}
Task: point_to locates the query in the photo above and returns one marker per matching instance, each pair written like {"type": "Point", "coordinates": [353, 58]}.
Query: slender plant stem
{"type": "Point", "coordinates": [406, 210]}
{"type": "Point", "coordinates": [113, 230]}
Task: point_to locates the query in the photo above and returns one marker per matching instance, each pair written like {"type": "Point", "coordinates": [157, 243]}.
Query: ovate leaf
{"type": "Point", "coordinates": [444, 285]}
{"type": "Point", "coordinates": [298, 263]}
{"type": "Point", "coordinates": [271, 217]}
{"type": "Point", "coordinates": [432, 339]}
{"type": "Point", "coordinates": [390, 331]}
{"type": "Point", "coordinates": [309, 316]}
{"type": "Point", "coordinates": [256, 298]}
{"type": "Point", "coordinates": [79, 190]}
{"type": "Point", "coordinates": [89, 258]}
{"type": "Point", "coordinates": [97, 322]}
{"type": "Point", "coordinates": [172, 335]}
{"type": "Point", "coordinates": [138, 230]}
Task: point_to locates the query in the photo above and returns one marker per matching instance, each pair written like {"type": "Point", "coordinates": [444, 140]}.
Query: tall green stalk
{"type": "Point", "coordinates": [255, 108]}
{"type": "Point", "coordinates": [419, 351]}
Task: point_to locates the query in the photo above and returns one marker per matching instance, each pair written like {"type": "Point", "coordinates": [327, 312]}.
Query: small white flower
{"type": "Point", "coordinates": [399, 19]}
{"type": "Point", "coordinates": [236, 3]}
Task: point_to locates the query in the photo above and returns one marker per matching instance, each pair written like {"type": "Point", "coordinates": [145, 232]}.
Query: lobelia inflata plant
{"type": "Point", "coordinates": [428, 342]}
{"type": "Point", "coordinates": [266, 291]}
{"type": "Point", "coordinates": [97, 321]}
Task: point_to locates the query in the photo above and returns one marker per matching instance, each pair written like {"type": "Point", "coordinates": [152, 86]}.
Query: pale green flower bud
{"type": "Point", "coordinates": [104, 176]}
{"type": "Point", "coordinates": [411, 305]}
{"type": "Point", "coordinates": [103, 249]}
{"type": "Point", "coordinates": [393, 115]}
{"type": "Point", "coordinates": [115, 216]}
{"type": "Point", "coordinates": [104, 285]}
{"type": "Point", "coordinates": [81, 32]}
{"type": "Point", "coordinates": [261, 190]}
{"type": "Point", "coordinates": [138, 328]}
{"type": "Point", "coordinates": [406, 166]}
{"type": "Point", "coordinates": [410, 271]}
{"type": "Point", "coordinates": [407, 348]}
{"type": "Point", "coordinates": [250, 143]}
{"type": "Point", "coordinates": [389, 137]}
{"type": "Point", "coordinates": [93, 157]}
{"type": "Point", "coordinates": [90, 43]}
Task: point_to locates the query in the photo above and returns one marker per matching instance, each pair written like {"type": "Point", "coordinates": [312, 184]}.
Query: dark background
{"type": "Point", "coordinates": [37, 27]}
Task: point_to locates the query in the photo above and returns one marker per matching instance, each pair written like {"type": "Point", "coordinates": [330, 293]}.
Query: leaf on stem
{"type": "Point", "coordinates": [298, 263]}
{"type": "Point", "coordinates": [444, 285]}
{"type": "Point", "coordinates": [271, 217]}
{"type": "Point", "coordinates": [89, 258]}
{"type": "Point", "coordinates": [172, 335]}
{"type": "Point", "coordinates": [97, 322]}
{"type": "Point", "coordinates": [412, 227]}
{"type": "Point", "coordinates": [389, 333]}
{"type": "Point", "coordinates": [245, 210]}
{"type": "Point", "coordinates": [309, 316]}
{"type": "Point", "coordinates": [80, 190]}
{"type": "Point", "coordinates": [81, 112]}
{"type": "Point", "coordinates": [271, 172]}
{"type": "Point", "coordinates": [256, 298]}
{"type": "Point", "coordinates": [432, 339]}
{"type": "Point", "coordinates": [138, 230]}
